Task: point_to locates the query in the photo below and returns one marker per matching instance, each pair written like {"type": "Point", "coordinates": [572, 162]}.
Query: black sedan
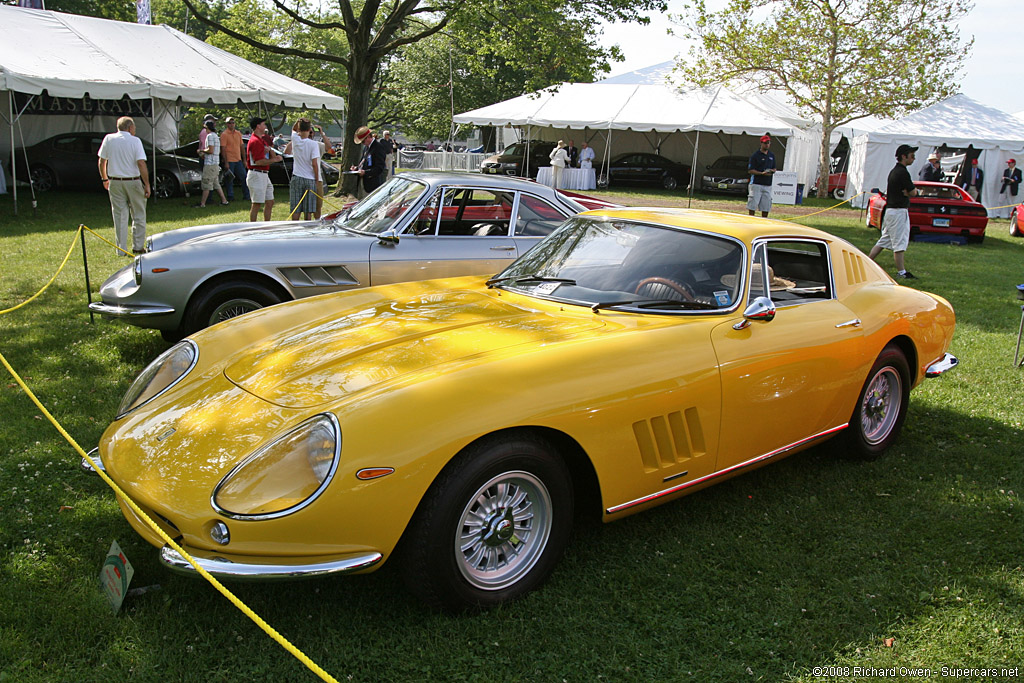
{"type": "Point", "coordinates": [728, 174]}
{"type": "Point", "coordinates": [642, 168]}
{"type": "Point", "coordinates": [68, 161]}
{"type": "Point", "coordinates": [280, 173]}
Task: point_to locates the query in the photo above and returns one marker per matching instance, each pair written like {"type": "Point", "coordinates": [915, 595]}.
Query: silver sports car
{"type": "Point", "coordinates": [416, 226]}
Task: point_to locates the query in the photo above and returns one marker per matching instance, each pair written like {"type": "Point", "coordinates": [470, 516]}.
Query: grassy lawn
{"type": "Point", "coordinates": [813, 562]}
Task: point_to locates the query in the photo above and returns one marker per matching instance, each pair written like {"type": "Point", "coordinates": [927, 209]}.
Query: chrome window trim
{"type": "Point", "coordinates": [259, 451]}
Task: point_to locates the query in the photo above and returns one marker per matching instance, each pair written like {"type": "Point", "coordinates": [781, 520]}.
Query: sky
{"type": "Point", "coordinates": [992, 75]}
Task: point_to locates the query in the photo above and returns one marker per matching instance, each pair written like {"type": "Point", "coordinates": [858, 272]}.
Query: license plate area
{"type": "Point", "coordinates": [940, 222]}
{"type": "Point", "coordinates": [723, 186]}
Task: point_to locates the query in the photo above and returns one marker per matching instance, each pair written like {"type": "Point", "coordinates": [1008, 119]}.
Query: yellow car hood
{"type": "Point", "coordinates": [334, 356]}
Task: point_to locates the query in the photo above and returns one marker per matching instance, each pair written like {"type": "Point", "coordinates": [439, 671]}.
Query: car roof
{"type": "Point", "coordinates": [453, 178]}
{"type": "Point", "coordinates": [746, 228]}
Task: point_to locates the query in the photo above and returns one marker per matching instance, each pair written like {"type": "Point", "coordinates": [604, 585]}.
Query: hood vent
{"type": "Point", "coordinates": [856, 272]}
{"type": "Point", "coordinates": [668, 440]}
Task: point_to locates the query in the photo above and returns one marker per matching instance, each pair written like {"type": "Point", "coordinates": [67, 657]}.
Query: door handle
{"type": "Point", "coordinates": [503, 248]}
{"type": "Point", "coordinates": [849, 323]}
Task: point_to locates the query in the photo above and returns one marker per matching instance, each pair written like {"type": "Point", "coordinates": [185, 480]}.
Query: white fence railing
{"type": "Point", "coordinates": [440, 161]}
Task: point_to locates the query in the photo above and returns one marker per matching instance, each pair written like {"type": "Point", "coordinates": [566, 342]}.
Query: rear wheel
{"type": "Point", "coordinates": [492, 526]}
{"type": "Point", "coordinates": [226, 300]}
{"type": "Point", "coordinates": [1014, 225]}
{"type": "Point", "coordinates": [881, 407]}
{"type": "Point", "coordinates": [602, 181]}
{"type": "Point", "coordinates": [839, 193]}
{"type": "Point", "coordinates": [669, 183]}
{"type": "Point", "coordinates": [43, 178]}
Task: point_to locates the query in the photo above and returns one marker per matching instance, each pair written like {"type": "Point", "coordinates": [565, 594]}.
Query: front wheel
{"type": "Point", "coordinates": [839, 193]}
{"type": "Point", "coordinates": [602, 181]}
{"type": "Point", "coordinates": [881, 407]}
{"type": "Point", "coordinates": [165, 185]}
{"type": "Point", "coordinates": [1014, 225]}
{"type": "Point", "coordinates": [227, 300]}
{"type": "Point", "coordinates": [492, 526]}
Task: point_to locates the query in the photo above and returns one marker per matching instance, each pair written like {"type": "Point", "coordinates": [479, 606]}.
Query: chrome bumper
{"type": "Point", "coordinates": [264, 569]}
{"type": "Point", "coordinates": [115, 311]}
{"type": "Point", "coordinates": [94, 454]}
{"type": "Point", "coordinates": [947, 362]}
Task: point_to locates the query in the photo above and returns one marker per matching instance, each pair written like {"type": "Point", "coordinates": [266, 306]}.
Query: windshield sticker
{"type": "Point", "coordinates": [546, 287]}
{"type": "Point", "coordinates": [722, 298]}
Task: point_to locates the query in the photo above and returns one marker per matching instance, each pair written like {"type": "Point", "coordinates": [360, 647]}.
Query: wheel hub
{"type": "Point", "coordinates": [500, 529]}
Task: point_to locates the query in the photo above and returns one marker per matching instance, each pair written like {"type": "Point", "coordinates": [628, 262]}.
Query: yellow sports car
{"type": "Point", "coordinates": [632, 357]}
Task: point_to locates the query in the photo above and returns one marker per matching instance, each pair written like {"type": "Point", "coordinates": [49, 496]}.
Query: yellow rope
{"type": "Point", "coordinates": [291, 216]}
{"type": "Point", "coordinates": [267, 628]}
{"type": "Point", "coordinates": [834, 206]}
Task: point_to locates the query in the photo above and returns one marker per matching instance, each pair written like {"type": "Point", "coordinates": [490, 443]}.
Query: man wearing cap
{"type": "Point", "coordinates": [122, 167]}
{"type": "Point", "coordinates": [896, 215]}
{"type": "Point", "coordinates": [762, 169]}
{"type": "Point", "coordinates": [259, 154]}
{"type": "Point", "coordinates": [204, 130]}
{"type": "Point", "coordinates": [932, 171]}
{"type": "Point", "coordinates": [1011, 178]}
{"type": "Point", "coordinates": [372, 167]}
{"type": "Point", "coordinates": [389, 159]}
{"type": "Point", "coordinates": [973, 180]}
{"type": "Point", "coordinates": [231, 151]}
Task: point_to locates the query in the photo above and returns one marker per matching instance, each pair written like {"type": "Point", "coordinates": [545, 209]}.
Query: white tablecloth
{"type": "Point", "coordinates": [572, 178]}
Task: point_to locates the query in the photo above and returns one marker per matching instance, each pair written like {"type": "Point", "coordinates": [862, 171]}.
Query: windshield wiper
{"type": "Point", "coordinates": [519, 279]}
{"type": "Point", "coordinates": [655, 303]}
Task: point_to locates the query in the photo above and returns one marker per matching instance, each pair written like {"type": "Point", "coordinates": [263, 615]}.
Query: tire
{"type": "Point", "coordinates": [881, 407]}
{"type": "Point", "coordinates": [839, 193]}
{"type": "Point", "coordinates": [602, 181]}
{"type": "Point", "coordinates": [166, 185]}
{"type": "Point", "coordinates": [43, 178]}
{"type": "Point", "coordinates": [464, 549]}
{"type": "Point", "coordinates": [1014, 226]}
{"type": "Point", "coordinates": [669, 182]}
{"type": "Point", "coordinates": [225, 300]}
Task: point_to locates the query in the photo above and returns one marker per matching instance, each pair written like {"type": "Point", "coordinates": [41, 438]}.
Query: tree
{"type": "Point", "coordinates": [838, 60]}
{"type": "Point", "coordinates": [375, 31]}
{"type": "Point", "coordinates": [492, 55]}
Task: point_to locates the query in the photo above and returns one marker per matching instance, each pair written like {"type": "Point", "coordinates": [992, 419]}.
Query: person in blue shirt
{"type": "Point", "coordinates": [762, 168]}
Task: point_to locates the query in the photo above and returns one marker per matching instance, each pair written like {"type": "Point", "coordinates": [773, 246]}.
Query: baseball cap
{"type": "Point", "coordinates": [210, 117]}
{"type": "Point", "coordinates": [255, 121]}
{"type": "Point", "coordinates": [766, 138]}
{"type": "Point", "coordinates": [1011, 161]}
{"type": "Point", "coordinates": [230, 119]}
{"type": "Point", "coordinates": [974, 162]}
{"type": "Point", "coordinates": [903, 150]}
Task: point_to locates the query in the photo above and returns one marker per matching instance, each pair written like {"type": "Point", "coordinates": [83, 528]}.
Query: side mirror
{"type": "Point", "coordinates": [760, 309]}
{"type": "Point", "coordinates": [875, 190]}
{"type": "Point", "coordinates": [389, 236]}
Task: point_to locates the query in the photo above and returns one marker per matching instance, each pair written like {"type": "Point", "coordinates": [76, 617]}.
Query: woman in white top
{"type": "Point", "coordinates": [559, 160]}
{"type": "Point", "coordinates": [306, 184]}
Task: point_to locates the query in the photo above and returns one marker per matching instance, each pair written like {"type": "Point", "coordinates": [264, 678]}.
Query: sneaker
{"type": "Point", "coordinates": [906, 275]}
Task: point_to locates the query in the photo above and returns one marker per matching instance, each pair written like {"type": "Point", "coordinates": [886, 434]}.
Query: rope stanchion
{"type": "Point", "coordinates": [122, 496]}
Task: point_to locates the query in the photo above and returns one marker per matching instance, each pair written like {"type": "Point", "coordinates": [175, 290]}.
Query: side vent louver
{"type": "Point", "coordinates": [855, 270]}
{"type": "Point", "coordinates": [318, 276]}
{"type": "Point", "coordinates": [666, 441]}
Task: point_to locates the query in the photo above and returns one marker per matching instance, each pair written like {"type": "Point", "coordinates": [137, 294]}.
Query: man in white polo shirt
{"type": "Point", "coordinates": [122, 166]}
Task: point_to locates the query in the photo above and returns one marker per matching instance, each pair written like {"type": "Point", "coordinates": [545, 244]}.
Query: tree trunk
{"type": "Point", "coordinates": [360, 79]}
{"type": "Point", "coordinates": [825, 159]}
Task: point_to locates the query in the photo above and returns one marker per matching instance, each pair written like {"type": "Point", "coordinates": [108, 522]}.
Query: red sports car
{"type": "Point", "coordinates": [938, 208]}
{"type": "Point", "coordinates": [1017, 221]}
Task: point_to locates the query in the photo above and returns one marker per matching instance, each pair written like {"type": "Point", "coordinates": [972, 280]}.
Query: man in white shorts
{"type": "Point", "coordinates": [896, 215]}
{"type": "Point", "coordinates": [259, 154]}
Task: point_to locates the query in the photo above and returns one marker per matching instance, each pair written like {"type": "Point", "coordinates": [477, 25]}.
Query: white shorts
{"type": "Point", "coordinates": [260, 188]}
{"type": "Point", "coordinates": [759, 197]}
{"type": "Point", "coordinates": [895, 230]}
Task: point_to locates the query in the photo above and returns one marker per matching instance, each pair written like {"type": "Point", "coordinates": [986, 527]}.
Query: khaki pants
{"type": "Point", "coordinates": [128, 195]}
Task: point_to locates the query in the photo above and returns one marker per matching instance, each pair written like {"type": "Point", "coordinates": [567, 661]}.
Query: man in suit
{"type": "Point", "coordinates": [973, 180]}
{"type": "Point", "coordinates": [373, 166]}
{"type": "Point", "coordinates": [573, 153]}
{"type": "Point", "coordinates": [1011, 178]}
{"type": "Point", "coordinates": [932, 171]}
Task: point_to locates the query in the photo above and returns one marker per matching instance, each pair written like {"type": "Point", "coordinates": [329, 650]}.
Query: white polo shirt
{"type": "Point", "coordinates": [123, 151]}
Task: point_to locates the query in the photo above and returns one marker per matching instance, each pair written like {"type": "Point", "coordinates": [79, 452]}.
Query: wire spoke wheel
{"type": "Point", "coordinates": [232, 308]}
{"type": "Point", "coordinates": [880, 406]}
{"type": "Point", "coordinates": [503, 530]}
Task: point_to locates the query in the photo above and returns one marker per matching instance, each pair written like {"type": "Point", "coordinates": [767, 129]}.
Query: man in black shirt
{"type": "Point", "coordinates": [896, 215]}
{"type": "Point", "coordinates": [761, 167]}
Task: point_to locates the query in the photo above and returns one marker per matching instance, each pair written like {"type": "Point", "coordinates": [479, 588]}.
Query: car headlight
{"type": "Point", "coordinates": [193, 175]}
{"type": "Point", "coordinates": [509, 165]}
{"type": "Point", "coordinates": [162, 374]}
{"type": "Point", "coordinates": [285, 475]}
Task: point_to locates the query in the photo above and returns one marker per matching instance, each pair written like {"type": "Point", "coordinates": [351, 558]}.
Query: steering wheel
{"type": "Point", "coordinates": [679, 288]}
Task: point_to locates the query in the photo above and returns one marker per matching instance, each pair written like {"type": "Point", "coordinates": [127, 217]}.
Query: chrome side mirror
{"type": "Point", "coordinates": [760, 309]}
{"type": "Point", "coordinates": [389, 236]}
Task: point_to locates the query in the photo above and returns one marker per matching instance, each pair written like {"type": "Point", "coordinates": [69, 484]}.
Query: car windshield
{"type": "Point", "coordinates": [605, 263]}
{"type": "Point", "coordinates": [383, 208]}
{"type": "Point", "coordinates": [729, 164]}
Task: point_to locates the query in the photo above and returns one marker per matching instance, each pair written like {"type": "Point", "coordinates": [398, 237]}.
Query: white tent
{"type": "Point", "coordinates": [71, 56]}
{"type": "Point", "coordinates": [955, 124]}
{"type": "Point", "coordinates": [699, 124]}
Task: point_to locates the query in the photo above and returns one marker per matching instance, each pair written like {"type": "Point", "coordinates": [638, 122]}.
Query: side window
{"type": "Point", "coordinates": [476, 213]}
{"type": "Point", "coordinates": [757, 283]}
{"type": "Point", "coordinates": [426, 222]}
{"type": "Point", "coordinates": [536, 217]}
{"type": "Point", "coordinates": [72, 144]}
{"type": "Point", "coordinates": [798, 272]}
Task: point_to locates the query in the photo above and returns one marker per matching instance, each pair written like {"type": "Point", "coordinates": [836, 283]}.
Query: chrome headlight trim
{"type": "Point", "coordinates": [137, 270]}
{"type": "Point", "coordinates": [336, 427]}
{"type": "Point", "coordinates": [160, 360]}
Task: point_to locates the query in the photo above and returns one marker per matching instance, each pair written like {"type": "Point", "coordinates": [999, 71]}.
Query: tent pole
{"type": "Point", "coordinates": [526, 155]}
{"type": "Point", "coordinates": [152, 132]}
{"type": "Point", "coordinates": [14, 157]}
{"type": "Point", "coordinates": [693, 169]}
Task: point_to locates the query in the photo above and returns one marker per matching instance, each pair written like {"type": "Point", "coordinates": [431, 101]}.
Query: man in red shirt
{"type": "Point", "coordinates": [259, 154]}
